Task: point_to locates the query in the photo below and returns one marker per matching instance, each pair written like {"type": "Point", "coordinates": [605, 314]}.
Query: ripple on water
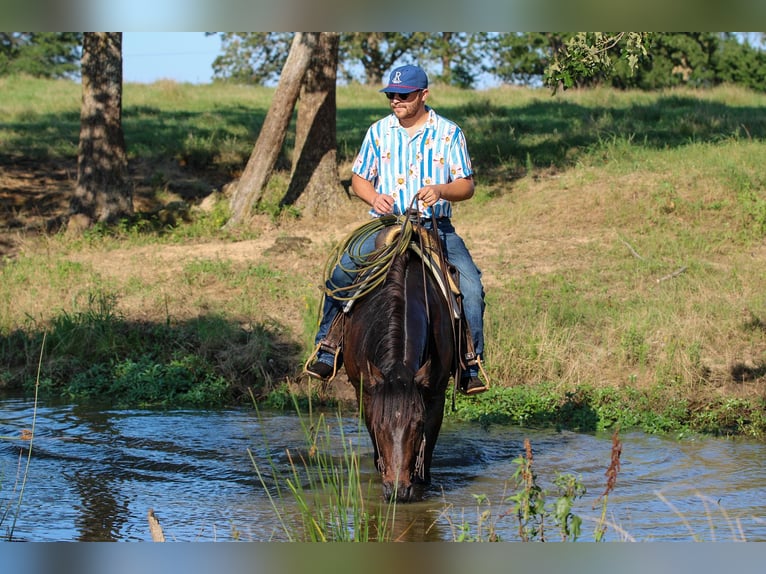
{"type": "Point", "coordinates": [94, 474]}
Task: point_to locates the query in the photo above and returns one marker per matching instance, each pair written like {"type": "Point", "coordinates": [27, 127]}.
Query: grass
{"type": "Point", "coordinates": [322, 496]}
{"type": "Point", "coordinates": [621, 237]}
{"type": "Point", "coordinates": [325, 488]}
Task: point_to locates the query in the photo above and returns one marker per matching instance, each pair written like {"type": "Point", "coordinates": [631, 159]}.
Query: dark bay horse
{"type": "Point", "coordinates": [399, 353]}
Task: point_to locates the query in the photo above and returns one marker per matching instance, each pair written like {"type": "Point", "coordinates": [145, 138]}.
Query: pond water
{"type": "Point", "coordinates": [94, 474]}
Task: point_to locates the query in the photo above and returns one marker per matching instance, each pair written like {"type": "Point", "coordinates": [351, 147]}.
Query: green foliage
{"type": "Point", "coordinates": [322, 497]}
{"type": "Point", "coordinates": [186, 381]}
{"type": "Point", "coordinates": [646, 60]}
{"type": "Point", "coordinates": [634, 347]}
{"type": "Point", "coordinates": [678, 59]}
{"type": "Point", "coordinates": [740, 63]}
{"type": "Point", "coordinates": [750, 189]}
{"type": "Point", "coordinates": [588, 55]}
{"type": "Point", "coordinates": [94, 353]}
{"type": "Point", "coordinates": [40, 54]}
{"type": "Point", "coordinates": [660, 409]}
{"type": "Point", "coordinates": [530, 505]}
{"type": "Point", "coordinates": [252, 57]}
{"type": "Point", "coordinates": [522, 57]}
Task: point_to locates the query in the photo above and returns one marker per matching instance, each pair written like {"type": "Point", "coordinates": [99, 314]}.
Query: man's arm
{"type": "Point", "coordinates": [365, 191]}
{"type": "Point", "coordinates": [456, 190]}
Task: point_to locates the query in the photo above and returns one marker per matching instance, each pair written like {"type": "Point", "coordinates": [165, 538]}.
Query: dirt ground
{"type": "Point", "coordinates": [34, 201]}
{"type": "Point", "coordinates": [541, 229]}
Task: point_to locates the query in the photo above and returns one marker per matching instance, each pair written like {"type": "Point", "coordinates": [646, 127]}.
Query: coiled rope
{"type": "Point", "coordinates": [368, 269]}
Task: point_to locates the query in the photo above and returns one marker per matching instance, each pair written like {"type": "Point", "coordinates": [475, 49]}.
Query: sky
{"type": "Point", "coordinates": [180, 56]}
{"type": "Point", "coordinates": [187, 56]}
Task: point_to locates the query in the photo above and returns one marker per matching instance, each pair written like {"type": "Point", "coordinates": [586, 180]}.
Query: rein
{"type": "Point", "coordinates": [369, 268]}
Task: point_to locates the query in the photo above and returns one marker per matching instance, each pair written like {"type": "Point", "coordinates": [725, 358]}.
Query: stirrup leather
{"type": "Point", "coordinates": [331, 344]}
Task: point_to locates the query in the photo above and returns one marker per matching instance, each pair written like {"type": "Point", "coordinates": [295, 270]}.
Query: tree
{"type": "Point", "coordinates": [379, 51]}
{"type": "Point", "coordinates": [524, 56]}
{"type": "Point", "coordinates": [249, 189]}
{"type": "Point", "coordinates": [740, 63]}
{"type": "Point", "coordinates": [309, 73]}
{"type": "Point", "coordinates": [459, 54]}
{"type": "Point", "coordinates": [315, 183]}
{"type": "Point", "coordinates": [40, 54]}
{"type": "Point", "coordinates": [589, 55]}
{"type": "Point", "coordinates": [103, 192]}
{"type": "Point", "coordinates": [674, 59]}
{"type": "Point", "coordinates": [252, 57]}
{"type": "Point", "coordinates": [258, 57]}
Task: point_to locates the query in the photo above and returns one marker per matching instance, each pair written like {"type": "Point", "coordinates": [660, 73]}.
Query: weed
{"type": "Point", "coordinates": [325, 488]}
{"type": "Point", "coordinates": [534, 509]}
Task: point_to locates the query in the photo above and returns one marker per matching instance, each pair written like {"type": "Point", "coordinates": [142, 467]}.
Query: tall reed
{"type": "Point", "coordinates": [322, 495]}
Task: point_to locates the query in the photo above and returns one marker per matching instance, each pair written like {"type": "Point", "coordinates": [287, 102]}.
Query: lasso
{"type": "Point", "coordinates": [369, 268]}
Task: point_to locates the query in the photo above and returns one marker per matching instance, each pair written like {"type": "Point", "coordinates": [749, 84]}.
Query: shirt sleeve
{"type": "Point", "coordinates": [459, 160]}
{"type": "Point", "coordinates": [366, 162]}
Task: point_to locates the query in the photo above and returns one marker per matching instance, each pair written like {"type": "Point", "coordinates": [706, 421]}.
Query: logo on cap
{"type": "Point", "coordinates": [397, 79]}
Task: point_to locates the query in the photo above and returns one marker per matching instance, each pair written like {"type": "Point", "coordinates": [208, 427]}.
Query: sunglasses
{"type": "Point", "coordinates": [402, 97]}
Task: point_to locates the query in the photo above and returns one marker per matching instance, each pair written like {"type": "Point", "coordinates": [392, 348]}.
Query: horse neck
{"type": "Point", "coordinates": [405, 313]}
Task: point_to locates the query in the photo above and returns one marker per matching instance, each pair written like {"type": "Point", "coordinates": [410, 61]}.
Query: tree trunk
{"type": "Point", "coordinates": [249, 189]}
{"type": "Point", "coordinates": [315, 183]}
{"type": "Point", "coordinates": [103, 192]}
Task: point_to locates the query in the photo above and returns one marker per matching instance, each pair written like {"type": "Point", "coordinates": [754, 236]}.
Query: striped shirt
{"type": "Point", "coordinates": [400, 166]}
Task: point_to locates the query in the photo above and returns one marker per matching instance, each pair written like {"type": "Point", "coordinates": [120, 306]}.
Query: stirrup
{"type": "Point", "coordinates": [329, 347]}
{"type": "Point", "coordinates": [326, 346]}
{"type": "Point", "coordinates": [472, 386]}
{"type": "Point", "coordinates": [473, 360]}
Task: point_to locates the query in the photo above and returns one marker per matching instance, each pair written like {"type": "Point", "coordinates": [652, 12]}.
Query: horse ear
{"type": "Point", "coordinates": [375, 373]}
{"type": "Point", "coordinates": [423, 376]}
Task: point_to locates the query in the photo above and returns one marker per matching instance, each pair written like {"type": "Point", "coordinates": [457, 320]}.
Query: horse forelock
{"type": "Point", "coordinates": [397, 399]}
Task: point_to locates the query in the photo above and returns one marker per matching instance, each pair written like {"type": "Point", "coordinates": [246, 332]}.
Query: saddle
{"type": "Point", "coordinates": [428, 248]}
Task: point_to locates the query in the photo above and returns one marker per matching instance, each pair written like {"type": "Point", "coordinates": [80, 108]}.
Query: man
{"type": "Point", "coordinates": [413, 152]}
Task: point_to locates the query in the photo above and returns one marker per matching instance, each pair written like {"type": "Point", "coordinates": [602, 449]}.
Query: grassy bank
{"type": "Point", "coordinates": [621, 237]}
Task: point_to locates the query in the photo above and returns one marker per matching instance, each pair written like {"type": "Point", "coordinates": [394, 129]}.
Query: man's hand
{"type": "Point", "coordinates": [383, 204]}
{"type": "Point", "coordinates": [429, 195]}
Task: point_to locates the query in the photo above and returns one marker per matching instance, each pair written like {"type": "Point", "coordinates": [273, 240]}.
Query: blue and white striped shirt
{"type": "Point", "coordinates": [400, 166]}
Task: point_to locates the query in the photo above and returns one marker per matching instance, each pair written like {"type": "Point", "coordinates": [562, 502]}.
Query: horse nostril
{"type": "Point", "coordinates": [400, 493]}
{"type": "Point", "coordinates": [406, 494]}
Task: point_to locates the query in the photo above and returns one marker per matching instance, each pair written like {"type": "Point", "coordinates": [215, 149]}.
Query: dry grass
{"type": "Point", "coordinates": [632, 265]}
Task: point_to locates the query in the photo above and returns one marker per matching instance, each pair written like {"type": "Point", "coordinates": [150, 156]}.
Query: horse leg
{"type": "Point", "coordinates": [433, 422]}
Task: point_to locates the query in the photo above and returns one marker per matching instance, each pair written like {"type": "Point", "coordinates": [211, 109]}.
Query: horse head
{"type": "Point", "coordinates": [398, 350]}
{"type": "Point", "coordinates": [396, 422]}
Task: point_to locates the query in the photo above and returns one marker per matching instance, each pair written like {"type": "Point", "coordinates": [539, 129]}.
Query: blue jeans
{"type": "Point", "coordinates": [457, 254]}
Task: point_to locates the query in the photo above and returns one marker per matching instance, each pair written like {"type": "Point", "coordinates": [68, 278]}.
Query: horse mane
{"type": "Point", "coordinates": [397, 394]}
{"type": "Point", "coordinates": [386, 317]}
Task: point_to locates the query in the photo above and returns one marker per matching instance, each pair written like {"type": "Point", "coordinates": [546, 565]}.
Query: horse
{"type": "Point", "coordinates": [399, 350]}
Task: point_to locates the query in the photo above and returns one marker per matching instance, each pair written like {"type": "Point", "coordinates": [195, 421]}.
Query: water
{"type": "Point", "coordinates": [94, 474]}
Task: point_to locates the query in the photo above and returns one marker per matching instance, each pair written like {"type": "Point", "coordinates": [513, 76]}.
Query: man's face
{"type": "Point", "coordinates": [407, 105]}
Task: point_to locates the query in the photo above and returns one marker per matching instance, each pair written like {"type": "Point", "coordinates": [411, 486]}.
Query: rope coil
{"type": "Point", "coordinates": [369, 268]}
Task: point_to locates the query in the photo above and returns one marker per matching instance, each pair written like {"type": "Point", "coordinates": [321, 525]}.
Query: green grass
{"type": "Point", "coordinates": [620, 233]}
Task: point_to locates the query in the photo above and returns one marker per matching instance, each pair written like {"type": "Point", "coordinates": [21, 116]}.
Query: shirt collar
{"type": "Point", "coordinates": [393, 121]}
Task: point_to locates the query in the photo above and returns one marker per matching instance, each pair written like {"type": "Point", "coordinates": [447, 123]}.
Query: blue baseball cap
{"type": "Point", "coordinates": [405, 79]}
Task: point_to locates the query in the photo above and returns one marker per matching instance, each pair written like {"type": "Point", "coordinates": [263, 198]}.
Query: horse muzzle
{"type": "Point", "coordinates": [398, 492]}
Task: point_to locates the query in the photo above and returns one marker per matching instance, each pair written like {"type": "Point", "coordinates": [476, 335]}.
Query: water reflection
{"type": "Point", "coordinates": [95, 473]}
